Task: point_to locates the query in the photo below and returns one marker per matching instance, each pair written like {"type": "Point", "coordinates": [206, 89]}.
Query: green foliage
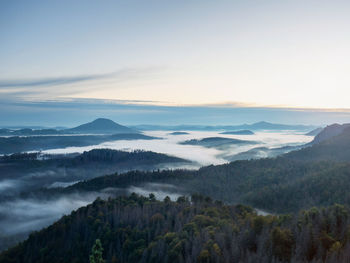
{"type": "Point", "coordinates": [282, 243]}
{"type": "Point", "coordinates": [141, 229]}
{"type": "Point", "coordinates": [96, 252]}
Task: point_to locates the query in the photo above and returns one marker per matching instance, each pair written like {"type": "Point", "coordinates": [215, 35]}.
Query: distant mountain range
{"type": "Point", "coordinates": [263, 125]}
{"type": "Point", "coordinates": [95, 132]}
{"type": "Point", "coordinates": [106, 126]}
{"type": "Point", "coordinates": [98, 126]}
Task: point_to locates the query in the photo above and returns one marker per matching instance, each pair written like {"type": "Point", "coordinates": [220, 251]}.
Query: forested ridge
{"type": "Point", "coordinates": [88, 157]}
{"type": "Point", "coordinates": [277, 185]}
{"type": "Point", "coordinates": [318, 175]}
{"type": "Point", "coordinates": [141, 229]}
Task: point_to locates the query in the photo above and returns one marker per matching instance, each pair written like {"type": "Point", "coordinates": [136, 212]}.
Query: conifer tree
{"type": "Point", "coordinates": [96, 252]}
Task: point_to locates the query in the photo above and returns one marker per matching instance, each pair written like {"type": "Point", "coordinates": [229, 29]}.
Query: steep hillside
{"type": "Point", "coordinates": [326, 147]}
{"type": "Point", "coordinates": [140, 229]}
{"type": "Point", "coordinates": [329, 132]}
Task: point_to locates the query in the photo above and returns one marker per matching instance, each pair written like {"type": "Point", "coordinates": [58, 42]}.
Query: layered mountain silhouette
{"type": "Point", "coordinates": [98, 126]}
{"type": "Point", "coordinates": [95, 132]}
{"type": "Point", "coordinates": [262, 125]}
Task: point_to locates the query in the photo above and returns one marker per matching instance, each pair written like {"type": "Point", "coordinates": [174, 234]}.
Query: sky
{"type": "Point", "coordinates": [184, 53]}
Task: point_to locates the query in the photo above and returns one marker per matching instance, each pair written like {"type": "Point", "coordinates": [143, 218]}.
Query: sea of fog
{"type": "Point", "coordinates": [169, 144]}
{"type": "Point", "coordinates": [20, 216]}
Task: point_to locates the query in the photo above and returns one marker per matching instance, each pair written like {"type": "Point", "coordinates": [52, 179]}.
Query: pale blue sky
{"type": "Point", "coordinates": [183, 52]}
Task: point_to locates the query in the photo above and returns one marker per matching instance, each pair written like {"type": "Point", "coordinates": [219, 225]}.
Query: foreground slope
{"type": "Point", "coordinates": [140, 229]}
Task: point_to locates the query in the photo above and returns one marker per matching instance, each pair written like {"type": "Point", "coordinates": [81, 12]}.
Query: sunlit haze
{"type": "Point", "coordinates": [256, 53]}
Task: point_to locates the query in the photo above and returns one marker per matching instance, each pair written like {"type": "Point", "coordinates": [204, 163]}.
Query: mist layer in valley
{"type": "Point", "coordinates": [22, 175]}
{"type": "Point", "coordinates": [21, 216]}
{"type": "Point", "coordinates": [201, 155]}
{"type": "Point", "coordinates": [54, 168]}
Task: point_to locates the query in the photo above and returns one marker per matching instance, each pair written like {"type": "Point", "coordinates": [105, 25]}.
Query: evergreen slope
{"type": "Point", "coordinates": [140, 229]}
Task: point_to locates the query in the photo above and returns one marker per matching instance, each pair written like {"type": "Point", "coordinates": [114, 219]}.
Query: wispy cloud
{"type": "Point", "coordinates": [66, 86]}
{"type": "Point", "coordinates": [53, 81]}
{"type": "Point", "coordinates": [122, 74]}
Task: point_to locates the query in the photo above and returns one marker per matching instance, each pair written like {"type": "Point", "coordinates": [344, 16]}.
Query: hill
{"type": "Point", "coordinates": [216, 142]}
{"type": "Point", "coordinates": [239, 132]}
{"type": "Point", "coordinates": [333, 143]}
{"type": "Point", "coordinates": [329, 132]}
{"type": "Point", "coordinates": [141, 229]}
{"type": "Point", "coordinates": [102, 126]}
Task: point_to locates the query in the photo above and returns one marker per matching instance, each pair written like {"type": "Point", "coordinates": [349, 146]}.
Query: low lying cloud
{"type": "Point", "coordinates": [159, 190]}
{"type": "Point", "coordinates": [26, 215]}
{"type": "Point", "coordinates": [21, 216]}
{"type": "Point", "coordinates": [8, 184]}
